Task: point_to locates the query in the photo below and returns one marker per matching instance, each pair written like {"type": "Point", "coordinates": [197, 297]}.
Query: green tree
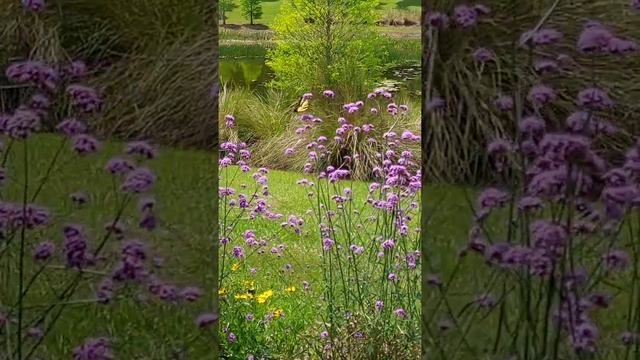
{"type": "Point", "coordinates": [252, 10]}
{"type": "Point", "coordinates": [225, 7]}
{"type": "Point", "coordinates": [327, 44]}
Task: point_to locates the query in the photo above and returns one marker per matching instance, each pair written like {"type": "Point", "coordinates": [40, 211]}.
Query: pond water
{"type": "Point", "coordinates": [253, 73]}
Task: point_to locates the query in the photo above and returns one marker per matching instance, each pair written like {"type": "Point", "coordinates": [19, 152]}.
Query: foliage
{"type": "Point", "coordinates": [252, 10]}
{"type": "Point", "coordinates": [225, 7]}
{"type": "Point", "coordinates": [326, 45]}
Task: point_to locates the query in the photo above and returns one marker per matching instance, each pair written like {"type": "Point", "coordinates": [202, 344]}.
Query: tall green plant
{"type": "Point", "coordinates": [327, 44]}
{"type": "Point", "coordinates": [225, 6]}
{"type": "Point", "coordinates": [252, 10]}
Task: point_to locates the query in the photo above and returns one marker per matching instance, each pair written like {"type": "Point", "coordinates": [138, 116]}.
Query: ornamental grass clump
{"type": "Point", "coordinates": [463, 119]}
{"type": "Point", "coordinates": [549, 270]}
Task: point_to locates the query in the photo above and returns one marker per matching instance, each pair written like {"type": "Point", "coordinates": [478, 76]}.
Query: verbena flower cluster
{"type": "Point", "coordinates": [553, 241]}
{"type": "Point", "coordinates": [367, 236]}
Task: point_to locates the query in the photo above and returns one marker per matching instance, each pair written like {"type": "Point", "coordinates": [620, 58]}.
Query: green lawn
{"type": "Point", "coordinates": [148, 329]}
{"type": "Point", "coordinates": [270, 9]}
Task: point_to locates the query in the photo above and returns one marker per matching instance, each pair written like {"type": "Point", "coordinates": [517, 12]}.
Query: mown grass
{"type": "Point", "coordinates": [270, 9]}
{"type": "Point", "coordinates": [140, 329]}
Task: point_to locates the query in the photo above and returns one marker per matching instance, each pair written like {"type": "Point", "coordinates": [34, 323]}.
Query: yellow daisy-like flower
{"type": "Point", "coordinates": [235, 266]}
{"type": "Point", "coordinates": [262, 298]}
{"type": "Point", "coordinates": [221, 291]}
{"type": "Point", "coordinates": [243, 296]}
{"type": "Point", "coordinates": [290, 289]}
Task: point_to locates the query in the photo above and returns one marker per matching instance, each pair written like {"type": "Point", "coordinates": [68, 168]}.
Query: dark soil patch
{"type": "Point", "coordinates": [246, 26]}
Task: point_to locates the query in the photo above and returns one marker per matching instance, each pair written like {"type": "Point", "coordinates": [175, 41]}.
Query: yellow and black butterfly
{"type": "Point", "coordinates": [302, 105]}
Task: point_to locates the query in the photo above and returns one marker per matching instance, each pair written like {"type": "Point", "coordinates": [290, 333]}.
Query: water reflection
{"type": "Point", "coordinates": [250, 73]}
{"type": "Point", "coordinates": [255, 74]}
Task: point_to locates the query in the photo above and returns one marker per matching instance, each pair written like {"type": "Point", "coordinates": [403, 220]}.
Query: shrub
{"type": "Point", "coordinates": [326, 45]}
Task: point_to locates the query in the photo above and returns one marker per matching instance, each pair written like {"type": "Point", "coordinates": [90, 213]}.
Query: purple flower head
{"type": "Point", "coordinates": [465, 16]}
{"type": "Point", "coordinates": [231, 337]}
{"type": "Point", "coordinates": [484, 55]}
{"type": "Point", "coordinates": [504, 103]}
{"type": "Point", "coordinates": [400, 312]}
{"type": "Point", "coordinates": [75, 246]}
{"type": "Point", "coordinates": [546, 36]}
{"type": "Point", "coordinates": [621, 46]}
{"type": "Point", "coordinates": [545, 65]}
{"type": "Point", "coordinates": [71, 127]}
{"type": "Point", "coordinates": [39, 101]}
{"type": "Point", "coordinates": [94, 349]}
{"type": "Point", "coordinates": [548, 235]}
{"type": "Point", "coordinates": [594, 98]}
{"type": "Point", "coordinates": [206, 319]}
{"type": "Point", "coordinates": [540, 95]}
{"type": "Point", "coordinates": [237, 252]}
{"type": "Point", "coordinates": [635, 4]}
{"type": "Point", "coordinates": [616, 259]}
{"type": "Point", "coordinates": [141, 148]}
{"type": "Point", "coordinates": [74, 70]}
{"type": "Point", "coordinates": [229, 120]}
{"type": "Point", "coordinates": [329, 93]}
{"type": "Point", "coordinates": [85, 144]}
{"type": "Point", "coordinates": [148, 220]}
{"type": "Point", "coordinates": [23, 123]}
{"type": "Point", "coordinates": [85, 98]}
{"type": "Point", "coordinates": [594, 37]}
{"type": "Point", "coordinates": [31, 216]}
{"type": "Point", "coordinates": [33, 5]}
{"type": "Point", "coordinates": [43, 250]}
{"type": "Point", "coordinates": [437, 20]}
{"type": "Point", "coordinates": [118, 165]}
{"type": "Point", "coordinates": [529, 203]}
{"type": "Point", "coordinates": [190, 293]}
{"type": "Point", "coordinates": [35, 72]}
{"type": "Point", "coordinates": [138, 180]}
{"type": "Point", "coordinates": [492, 198]}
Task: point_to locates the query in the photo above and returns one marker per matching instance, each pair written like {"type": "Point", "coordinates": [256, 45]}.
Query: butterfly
{"type": "Point", "coordinates": [302, 106]}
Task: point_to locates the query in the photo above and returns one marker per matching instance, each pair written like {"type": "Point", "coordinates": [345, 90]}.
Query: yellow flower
{"type": "Point", "coordinates": [235, 266]}
{"type": "Point", "coordinates": [290, 289]}
{"type": "Point", "coordinates": [248, 283]}
{"type": "Point", "coordinates": [244, 296]}
{"type": "Point", "coordinates": [221, 291]}
{"type": "Point", "coordinates": [262, 298]}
